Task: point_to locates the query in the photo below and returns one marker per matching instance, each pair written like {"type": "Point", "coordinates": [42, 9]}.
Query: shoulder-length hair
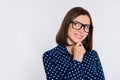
{"type": "Point", "coordinates": [61, 37]}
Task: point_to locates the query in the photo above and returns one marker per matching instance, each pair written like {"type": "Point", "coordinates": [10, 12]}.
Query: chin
{"type": "Point", "coordinates": [75, 41]}
{"type": "Point", "coordinates": [78, 40]}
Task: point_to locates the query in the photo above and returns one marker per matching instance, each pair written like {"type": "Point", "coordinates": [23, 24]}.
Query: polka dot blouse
{"type": "Point", "coordinates": [59, 65]}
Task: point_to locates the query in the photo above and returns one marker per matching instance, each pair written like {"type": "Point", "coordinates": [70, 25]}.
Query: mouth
{"type": "Point", "coordinates": [79, 36]}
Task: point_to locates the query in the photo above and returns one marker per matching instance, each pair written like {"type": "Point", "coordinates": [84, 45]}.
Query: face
{"type": "Point", "coordinates": [75, 35]}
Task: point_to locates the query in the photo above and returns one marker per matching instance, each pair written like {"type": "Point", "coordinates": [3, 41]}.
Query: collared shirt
{"type": "Point", "coordinates": [59, 65]}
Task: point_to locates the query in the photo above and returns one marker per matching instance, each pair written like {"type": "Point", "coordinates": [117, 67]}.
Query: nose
{"type": "Point", "coordinates": [81, 30]}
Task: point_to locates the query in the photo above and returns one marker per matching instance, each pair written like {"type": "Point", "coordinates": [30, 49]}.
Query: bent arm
{"type": "Point", "coordinates": [99, 69]}
{"type": "Point", "coordinates": [67, 71]}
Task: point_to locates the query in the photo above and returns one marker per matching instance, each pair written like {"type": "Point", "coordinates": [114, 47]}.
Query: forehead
{"type": "Point", "coordinates": [83, 19]}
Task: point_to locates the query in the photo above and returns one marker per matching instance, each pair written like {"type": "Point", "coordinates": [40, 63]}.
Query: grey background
{"type": "Point", "coordinates": [28, 29]}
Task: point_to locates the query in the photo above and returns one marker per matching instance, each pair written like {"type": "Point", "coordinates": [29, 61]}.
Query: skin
{"type": "Point", "coordinates": [75, 38]}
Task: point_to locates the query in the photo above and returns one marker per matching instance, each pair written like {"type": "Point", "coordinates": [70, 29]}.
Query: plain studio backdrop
{"type": "Point", "coordinates": [28, 29]}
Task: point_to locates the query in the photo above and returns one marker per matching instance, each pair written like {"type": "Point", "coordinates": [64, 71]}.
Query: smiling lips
{"type": "Point", "coordinates": [78, 36]}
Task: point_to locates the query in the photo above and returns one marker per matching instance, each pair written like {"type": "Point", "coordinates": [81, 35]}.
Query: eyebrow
{"type": "Point", "coordinates": [80, 22]}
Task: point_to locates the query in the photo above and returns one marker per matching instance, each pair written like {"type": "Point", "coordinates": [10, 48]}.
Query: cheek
{"type": "Point", "coordinates": [85, 35]}
{"type": "Point", "coordinates": [70, 31]}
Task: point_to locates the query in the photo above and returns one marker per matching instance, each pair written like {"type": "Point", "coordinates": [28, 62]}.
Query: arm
{"type": "Point", "coordinates": [75, 71]}
{"type": "Point", "coordinates": [49, 66]}
{"type": "Point", "coordinates": [99, 70]}
{"type": "Point", "coordinates": [67, 71]}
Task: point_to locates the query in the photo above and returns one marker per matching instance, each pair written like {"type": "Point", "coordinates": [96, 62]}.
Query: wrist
{"type": "Point", "coordinates": [80, 58]}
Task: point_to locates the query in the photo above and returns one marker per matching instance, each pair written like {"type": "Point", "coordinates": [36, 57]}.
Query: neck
{"type": "Point", "coordinates": [70, 49]}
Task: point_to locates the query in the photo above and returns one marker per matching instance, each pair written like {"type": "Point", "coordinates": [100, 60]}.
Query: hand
{"type": "Point", "coordinates": [78, 51]}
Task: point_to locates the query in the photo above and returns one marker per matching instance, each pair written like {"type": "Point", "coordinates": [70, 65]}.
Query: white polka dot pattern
{"type": "Point", "coordinates": [59, 65]}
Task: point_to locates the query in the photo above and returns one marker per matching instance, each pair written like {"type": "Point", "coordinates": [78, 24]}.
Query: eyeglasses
{"type": "Point", "coordinates": [78, 25]}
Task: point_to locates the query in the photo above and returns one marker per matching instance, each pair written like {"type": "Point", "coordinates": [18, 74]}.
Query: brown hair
{"type": "Point", "coordinates": [61, 37]}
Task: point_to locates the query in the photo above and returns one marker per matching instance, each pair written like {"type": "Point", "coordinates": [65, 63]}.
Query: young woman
{"type": "Point", "coordinates": [73, 57]}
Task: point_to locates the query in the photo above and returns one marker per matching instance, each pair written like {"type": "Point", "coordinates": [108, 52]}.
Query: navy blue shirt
{"type": "Point", "coordinates": [59, 65]}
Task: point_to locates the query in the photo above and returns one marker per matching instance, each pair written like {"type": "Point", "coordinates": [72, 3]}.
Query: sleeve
{"type": "Point", "coordinates": [75, 71]}
{"type": "Point", "coordinates": [49, 66]}
{"type": "Point", "coordinates": [71, 71]}
{"type": "Point", "coordinates": [52, 70]}
{"type": "Point", "coordinates": [99, 75]}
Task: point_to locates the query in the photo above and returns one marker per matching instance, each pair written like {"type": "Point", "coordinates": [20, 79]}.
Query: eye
{"type": "Point", "coordinates": [76, 23]}
{"type": "Point", "coordinates": [87, 26]}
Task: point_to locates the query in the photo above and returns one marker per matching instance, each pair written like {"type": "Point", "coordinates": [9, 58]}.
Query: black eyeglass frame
{"type": "Point", "coordinates": [82, 25]}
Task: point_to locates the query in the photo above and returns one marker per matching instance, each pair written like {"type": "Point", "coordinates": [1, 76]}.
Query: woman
{"type": "Point", "coordinates": [73, 57]}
